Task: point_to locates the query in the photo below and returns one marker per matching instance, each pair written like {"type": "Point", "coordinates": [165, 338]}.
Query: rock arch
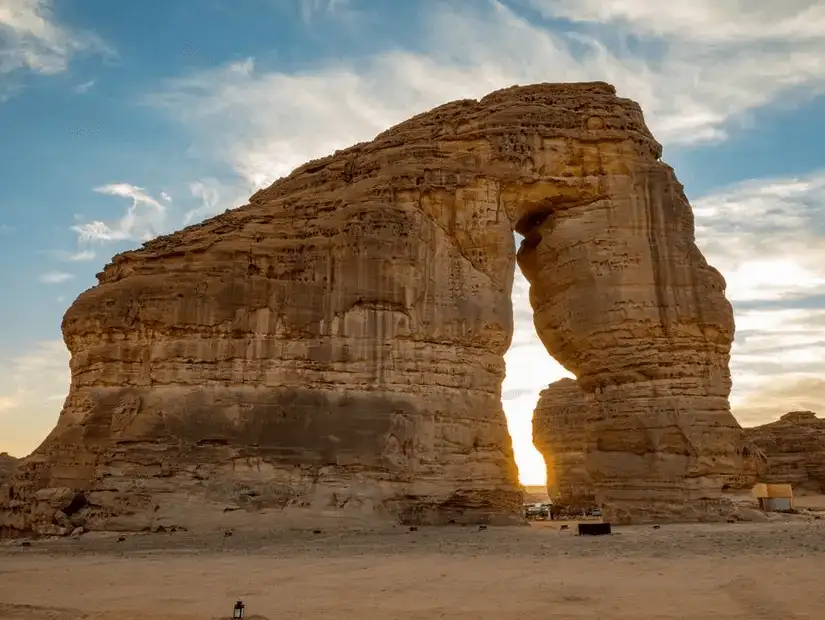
{"type": "Point", "coordinates": [336, 345]}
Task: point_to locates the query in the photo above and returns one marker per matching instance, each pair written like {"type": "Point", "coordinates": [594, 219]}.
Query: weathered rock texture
{"type": "Point", "coordinates": [560, 422]}
{"type": "Point", "coordinates": [337, 344]}
{"type": "Point", "coordinates": [795, 447]}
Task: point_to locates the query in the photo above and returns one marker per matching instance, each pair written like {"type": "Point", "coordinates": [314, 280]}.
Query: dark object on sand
{"type": "Point", "coordinates": [594, 529]}
{"type": "Point", "coordinates": [413, 528]}
{"type": "Point", "coordinates": [656, 527]}
{"type": "Point", "coordinates": [237, 611]}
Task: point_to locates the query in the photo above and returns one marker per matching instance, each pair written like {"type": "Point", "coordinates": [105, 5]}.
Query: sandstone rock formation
{"type": "Point", "coordinates": [7, 466]}
{"type": "Point", "coordinates": [336, 346]}
{"type": "Point", "coordinates": [560, 422]}
{"type": "Point", "coordinates": [795, 447]}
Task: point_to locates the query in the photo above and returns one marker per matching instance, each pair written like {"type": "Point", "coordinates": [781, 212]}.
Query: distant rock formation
{"type": "Point", "coordinates": [336, 347]}
{"type": "Point", "coordinates": [7, 466]}
{"type": "Point", "coordinates": [795, 447]}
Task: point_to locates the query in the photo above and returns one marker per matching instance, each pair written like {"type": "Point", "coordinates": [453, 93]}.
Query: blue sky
{"type": "Point", "coordinates": [123, 120]}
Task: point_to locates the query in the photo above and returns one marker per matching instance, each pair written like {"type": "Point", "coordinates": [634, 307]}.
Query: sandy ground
{"type": "Point", "coordinates": [745, 571]}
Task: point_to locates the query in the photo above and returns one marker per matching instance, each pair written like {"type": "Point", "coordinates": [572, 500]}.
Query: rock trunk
{"type": "Point", "coordinates": [560, 422]}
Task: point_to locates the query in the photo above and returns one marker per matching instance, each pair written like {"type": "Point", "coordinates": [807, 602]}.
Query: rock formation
{"type": "Point", "coordinates": [795, 447]}
{"type": "Point", "coordinates": [564, 423]}
{"type": "Point", "coordinates": [7, 466]}
{"type": "Point", "coordinates": [336, 346]}
{"type": "Point", "coordinates": [560, 422]}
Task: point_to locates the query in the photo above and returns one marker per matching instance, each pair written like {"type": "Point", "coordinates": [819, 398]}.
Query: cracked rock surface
{"type": "Point", "coordinates": [334, 348]}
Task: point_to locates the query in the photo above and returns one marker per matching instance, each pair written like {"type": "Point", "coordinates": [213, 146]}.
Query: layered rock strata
{"type": "Point", "coordinates": [560, 422]}
{"type": "Point", "coordinates": [335, 347]}
{"type": "Point", "coordinates": [795, 447]}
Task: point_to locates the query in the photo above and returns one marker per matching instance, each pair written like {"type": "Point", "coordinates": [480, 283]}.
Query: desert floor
{"type": "Point", "coordinates": [740, 570]}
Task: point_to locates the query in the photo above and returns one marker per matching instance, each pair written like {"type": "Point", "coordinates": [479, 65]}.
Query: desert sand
{"type": "Point", "coordinates": [741, 571]}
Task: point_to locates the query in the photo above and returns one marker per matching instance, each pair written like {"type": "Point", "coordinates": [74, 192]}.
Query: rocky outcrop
{"type": "Point", "coordinates": [560, 422]}
{"type": "Point", "coordinates": [8, 464]}
{"type": "Point", "coordinates": [795, 447]}
{"type": "Point", "coordinates": [335, 347]}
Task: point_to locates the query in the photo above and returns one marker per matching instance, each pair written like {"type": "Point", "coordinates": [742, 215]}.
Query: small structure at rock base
{"type": "Point", "coordinates": [774, 497]}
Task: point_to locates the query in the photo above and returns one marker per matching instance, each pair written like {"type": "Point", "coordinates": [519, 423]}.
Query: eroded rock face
{"type": "Point", "coordinates": [335, 347]}
{"type": "Point", "coordinates": [795, 447]}
{"type": "Point", "coordinates": [560, 423]}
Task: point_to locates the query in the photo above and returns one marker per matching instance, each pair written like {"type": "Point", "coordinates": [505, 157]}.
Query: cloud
{"type": "Point", "coordinates": [32, 39]}
{"type": "Point", "coordinates": [56, 277]}
{"type": "Point", "coordinates": [767, 237]}
{"type": "Point", "coordinates": [31, 388]}
{"type": "Point", "coordinates": [311, 8]}
{"type": "Point", "coordinates": [144, 219]}
{"type": "Point", "coordinates": [709, 21]}
{"type": "Point", "coordinates": [778, 363]}
{"type": "Point", "coordinates": [84, 87]}
{"type": "Point", "coordinates": [264, 123]}
{"type": "Point", "coordinates": [78, 256]}
{"type": "Point", "coordinates": [166, 197]}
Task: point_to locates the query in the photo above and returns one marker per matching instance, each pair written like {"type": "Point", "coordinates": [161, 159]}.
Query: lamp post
{"type": "Point", "coordinates": [237, 611]}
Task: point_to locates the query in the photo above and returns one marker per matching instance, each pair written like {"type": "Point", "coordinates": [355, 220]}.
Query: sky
{"type": "Point", "coordinates": [120, 121]}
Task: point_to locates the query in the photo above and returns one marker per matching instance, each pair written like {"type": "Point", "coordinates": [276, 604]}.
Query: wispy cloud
{"type": "Point", "coordinates": [56, 277]}
{"type": "Point", "coordinates": [312, 8]}
{"type": "Point", "coordinates": [82, 255]}
{"type": "Point", "coordinates": [84, 87]}
{"type": "Point", "coordinates": [690, 93]}
{"type": "Point", "coordinates": [32, 38]}
{"type": "Point", "coordinates": [710, 21]}
{"type": "Point", "coordinates": [768, 239]}
{"type": "Point", "coordinates": [215, 197]}
{"type": "Point", "coordinates": [767, 236]}
{"type": "Point", "coordinates": [144, 219]}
